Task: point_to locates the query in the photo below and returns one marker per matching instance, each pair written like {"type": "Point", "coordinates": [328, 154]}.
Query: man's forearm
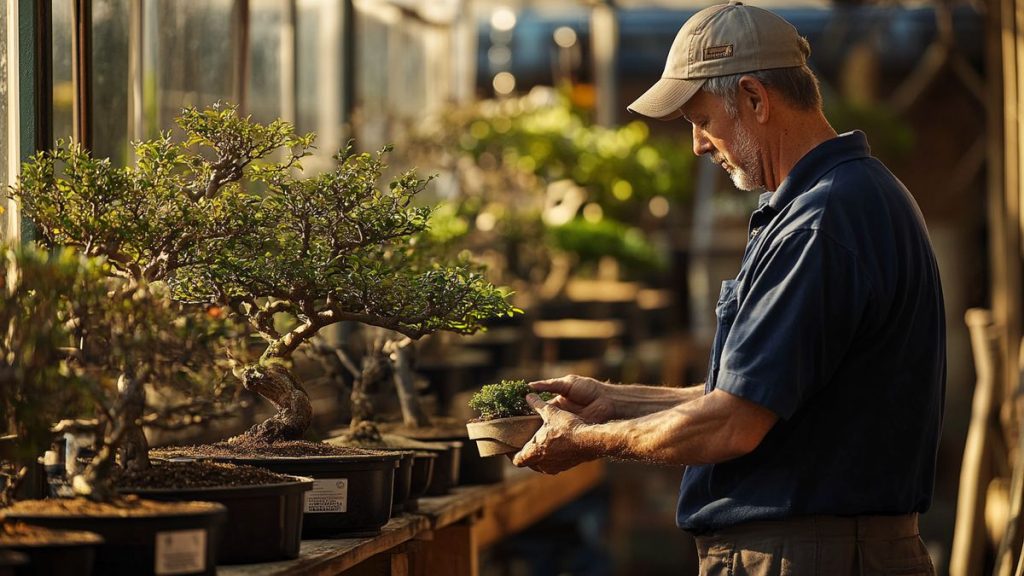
{"type": "Point", "coordinates": [637, 400]}
{"type": "Point", "coordinates": [713, 428]}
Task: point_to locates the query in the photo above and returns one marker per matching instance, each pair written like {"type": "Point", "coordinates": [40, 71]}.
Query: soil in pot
{"type": "Point", "coordinates": [50, 552]}
{"type": "Point", "coordinates": [264, 509]}
{"type": "Point", "coordinates": [503, 435]}
{"type": "Point", "coordinates": [352, 488]}
{"type": "Point", "coordinates": [139, 536]}
{"type": "Point", "coordinates": [473, 469]}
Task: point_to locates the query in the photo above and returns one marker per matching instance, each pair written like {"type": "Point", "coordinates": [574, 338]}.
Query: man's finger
{"type": "Point", "coordinates": [540, 406]}
{"type": "Point", "coordinates": [556, 385]}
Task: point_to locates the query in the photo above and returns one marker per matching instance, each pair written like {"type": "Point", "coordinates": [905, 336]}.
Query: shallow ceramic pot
{"type": "Point", "coordinates": [503, 435]}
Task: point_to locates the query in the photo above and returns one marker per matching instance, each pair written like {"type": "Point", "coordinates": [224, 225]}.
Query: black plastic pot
{"type": "Point", "coordinates": [446, 469]}
{"type": "Point", "coordinates": [264, 522]}
{"type": "Point", "coordinates": [184, 543]}
{"type": "Point", "coordinates": [403, 483]}
{"type": "Point", "coordinates": [72, 556]}
{"type": "Point", "coordinates": [351, 495]}
{"type": "Point", "coordinates": [421, 475]}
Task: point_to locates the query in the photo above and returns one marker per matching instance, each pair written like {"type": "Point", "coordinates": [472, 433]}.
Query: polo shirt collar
{"type": "Point", "coordinates": [816, 163]}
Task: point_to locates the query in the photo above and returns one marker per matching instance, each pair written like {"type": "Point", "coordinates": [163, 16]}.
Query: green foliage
{"type": "Point", "coordinates": [504, 400]}
{"type": "Point", "coordinates": [509, 158]}
{"type": "Point", "coordinates": [37, 386]}
{"type": "Point", "coordinates": [592, 240]}
{"type": "Point", "coordinates": [79, 342]}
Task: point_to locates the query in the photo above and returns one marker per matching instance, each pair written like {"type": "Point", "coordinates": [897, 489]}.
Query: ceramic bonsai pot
{"type": "Point", "coordinates": [351, 495]}
{"type": "Point", "coordinates": [264, 522]}
{"type": "Point", "coordinates": [503, 435]}
{"type": "Point", "coordinates": [182, 542]}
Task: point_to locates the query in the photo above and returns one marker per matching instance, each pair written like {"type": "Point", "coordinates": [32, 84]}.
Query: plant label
{"type": "Point", "coordinates": [180, 552]}
{"type": "Point", "coordinates": [328, 495]}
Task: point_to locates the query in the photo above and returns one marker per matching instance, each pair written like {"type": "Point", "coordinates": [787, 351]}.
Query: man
{"type": "Point", "coordinates": [811, 448]}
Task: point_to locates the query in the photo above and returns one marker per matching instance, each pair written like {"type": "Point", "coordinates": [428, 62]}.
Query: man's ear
{"type": "Point", "coordinates": [753, 96]}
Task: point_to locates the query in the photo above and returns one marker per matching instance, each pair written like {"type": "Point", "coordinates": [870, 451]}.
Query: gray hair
{"type": "Point", "coordinates": [797, 85]}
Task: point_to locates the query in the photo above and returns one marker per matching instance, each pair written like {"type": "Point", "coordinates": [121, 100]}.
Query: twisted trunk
{"type": "Point", "coordinates": [133, 447]}
{"type": "Point", "coordinates": [294, 412]}
{"type": "Point", "coordinates": [374, 369]}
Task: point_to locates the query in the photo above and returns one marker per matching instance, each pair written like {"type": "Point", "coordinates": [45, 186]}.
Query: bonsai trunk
{"type": "Point", "coordinates": [133, 447]}
{"type": "Point", "coordinates": [400, 355]}
{"type": "Point", "coordinates": [374, 368]}
{"type": "Point", "coordinates": [294, 412]}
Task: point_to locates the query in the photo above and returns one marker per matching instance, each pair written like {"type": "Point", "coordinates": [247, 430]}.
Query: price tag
{"type": "Point", "coordinates": [180, 552]}
{"type": "Point", "coordinates": [328, 495]}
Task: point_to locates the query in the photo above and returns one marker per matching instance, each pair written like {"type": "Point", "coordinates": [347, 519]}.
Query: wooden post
{"type": "Point", "coordinates": [453, 551]}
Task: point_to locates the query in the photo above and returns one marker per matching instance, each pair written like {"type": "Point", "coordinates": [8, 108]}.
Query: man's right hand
{"type": "Point", "coordinates": [580, 395]}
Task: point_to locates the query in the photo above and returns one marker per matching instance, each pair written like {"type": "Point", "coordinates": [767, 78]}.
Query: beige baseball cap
{"type": "Point", "coordinates": [721, 40]}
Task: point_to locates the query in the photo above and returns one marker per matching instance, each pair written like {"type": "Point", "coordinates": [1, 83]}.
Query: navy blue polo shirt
{"type": "Point", "coordinates": [834, 323]}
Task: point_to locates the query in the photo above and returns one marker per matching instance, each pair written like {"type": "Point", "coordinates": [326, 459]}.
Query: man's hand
{"type": "Point", "coordinates": [555, 446]}
{"type": "Point", "coordinates": [584, 397]}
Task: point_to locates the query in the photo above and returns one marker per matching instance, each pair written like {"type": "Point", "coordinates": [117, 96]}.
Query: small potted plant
{"type": "Point", "coordinates": [506, 422]}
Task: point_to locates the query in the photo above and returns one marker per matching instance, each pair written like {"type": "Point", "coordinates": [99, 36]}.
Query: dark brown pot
{"type": "Point", "coordinates": [422, 474]}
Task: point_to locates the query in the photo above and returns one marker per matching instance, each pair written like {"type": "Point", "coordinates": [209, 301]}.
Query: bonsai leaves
{"type": "Point", "coordinates": [504, 400]}
{"type": "Point", "coordinates": [339, 247]}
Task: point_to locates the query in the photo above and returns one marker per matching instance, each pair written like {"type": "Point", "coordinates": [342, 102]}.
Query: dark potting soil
{"type": "Point", "coordinates": [249, 448]}
{"type": "Point", "coordinates": [121, 507]}
{"type": "Point", "coordinates": [19, 534]}
{"type": "Point", "coordinates": [199, 474]}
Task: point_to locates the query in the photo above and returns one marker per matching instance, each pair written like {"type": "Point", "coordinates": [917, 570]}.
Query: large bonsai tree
{"type": "Point", "coordinates": [330, 248]}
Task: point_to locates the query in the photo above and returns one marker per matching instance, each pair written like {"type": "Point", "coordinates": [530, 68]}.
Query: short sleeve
{"type": "Point", "coordinates": [801, 308]}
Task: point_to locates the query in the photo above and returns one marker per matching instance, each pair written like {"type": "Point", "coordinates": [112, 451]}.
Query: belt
{"type": "Point", "coordinates": [858, 527]}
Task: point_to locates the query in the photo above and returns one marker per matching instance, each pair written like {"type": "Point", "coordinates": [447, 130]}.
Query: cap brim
{"type": "Point", "coordinates": [664, 100]}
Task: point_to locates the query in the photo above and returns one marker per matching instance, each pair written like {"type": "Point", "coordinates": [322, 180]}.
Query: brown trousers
{"type": "Point", "coordinates": [817, 546]}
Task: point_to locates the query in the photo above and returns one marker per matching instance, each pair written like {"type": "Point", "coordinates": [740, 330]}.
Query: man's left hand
{"type": "Point", "coordinates": [555, 447]}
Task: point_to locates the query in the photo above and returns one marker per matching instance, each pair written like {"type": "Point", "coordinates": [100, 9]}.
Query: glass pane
{"type": "Point", "coordinates": [266, 19]}
{"type": "Point", "coordinates": [110, 88]}
{"type": "Point", "coordinates": [63, 92]}
{"type": "Point", "coordinates": [194, 55]}
{"type": "Point", "coordinates": [5, 149]}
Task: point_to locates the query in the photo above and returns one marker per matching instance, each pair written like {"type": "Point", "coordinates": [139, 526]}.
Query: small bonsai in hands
{"type": "Point", "coordinates": [505, 399]}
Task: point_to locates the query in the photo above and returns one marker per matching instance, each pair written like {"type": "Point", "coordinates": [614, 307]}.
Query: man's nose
{"type": "Point", "coordinates": [701, 144]}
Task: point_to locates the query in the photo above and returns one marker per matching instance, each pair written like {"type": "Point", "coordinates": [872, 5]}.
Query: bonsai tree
{"type": "Point", "coordinates": [507, 422]}
{"type": "Point", "coordinates": [325, 249]}
{"type": "Point", "coordinates": [35, 382]}
{"type": "Point", "coordinates": [75, 337]}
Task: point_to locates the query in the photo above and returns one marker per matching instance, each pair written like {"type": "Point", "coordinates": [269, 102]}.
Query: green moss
{"type": "Point", "coordinates": [504, 400]}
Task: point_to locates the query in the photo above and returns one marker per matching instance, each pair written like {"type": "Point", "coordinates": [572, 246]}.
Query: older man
{"type": "Point", "coordinates": [811, 448]}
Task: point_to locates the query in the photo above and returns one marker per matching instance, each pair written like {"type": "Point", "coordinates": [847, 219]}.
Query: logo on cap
{"type": "Point", "coordinates": [716, 52]}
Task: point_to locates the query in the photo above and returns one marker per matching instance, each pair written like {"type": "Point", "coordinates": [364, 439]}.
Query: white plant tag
{"type": "Point", "coordinates": [180, 552]}
{"type": "Point", "coordinates": [328, 495]}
